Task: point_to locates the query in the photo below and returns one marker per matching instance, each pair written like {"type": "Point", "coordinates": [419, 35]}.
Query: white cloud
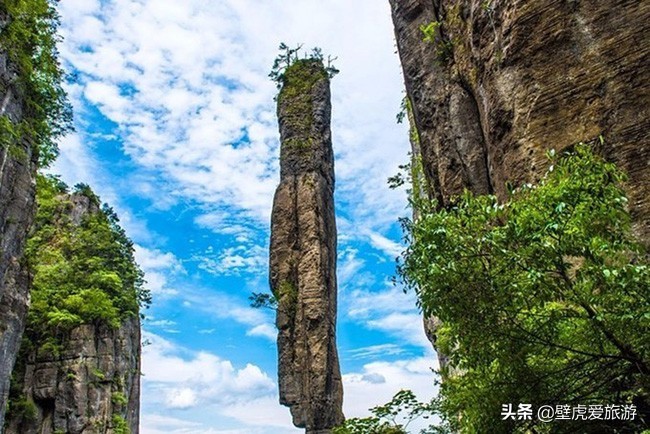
{"type": "Point", "coordinates": [373, 351]}
{"type": "Point", "coordinates": [264, 330]}
{"type": "Point", "coordinates": [158, 266]}
{"type": "Point", "coordinates": [194, 102]}
{"type": "Point", "coordinates": [387, 246]}
{"type": "Point", "coordinates": [391, 311]}
{"type": "Point", "coordinates": [224, 307]}
{"type": "Point", "coordinates": [407, 327]}
{"type": "Point", "coordinates": [183, 379]}
{"type": "Point", "coordinates": [377, 382]}
{"type": "Point", "coordinates": [176, 378]}
{"type": "Point", "coordinates": [152, 423]}
{"type": "Point", "coordinates": [160, 322]}
{"type": "Point", "coordinates": [250, 259]}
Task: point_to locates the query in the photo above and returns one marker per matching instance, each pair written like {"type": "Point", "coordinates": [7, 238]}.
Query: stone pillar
{"type": "Point", "coordinates": [303, 252]}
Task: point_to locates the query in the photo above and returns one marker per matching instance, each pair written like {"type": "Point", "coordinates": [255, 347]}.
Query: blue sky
{"type": "Point", "coordinates": [175, 128]}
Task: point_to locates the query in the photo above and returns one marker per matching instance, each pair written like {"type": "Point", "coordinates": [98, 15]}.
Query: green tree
{"type": "Point", "coordinates": [394, 417]}
{"type": "Point", "coordinates": [544, 299]}
{"type": "Point", "coordinates": [28, 36]}
{"type": "Point", "coordinates": [84, 273]}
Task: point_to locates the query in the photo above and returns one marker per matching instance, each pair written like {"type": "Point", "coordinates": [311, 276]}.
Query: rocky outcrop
{"type": "Point", "coordinates": [303, 252]}
{"type": "Point", "coordinates": [496, 84]}
{"type": "Point", "coordinates": [17, 173]}
{"type": "Point", "coordinates": [82, 381]}
{"type": "Point", "coordinates": [503, 82]}
{"type": "Point", "coordinates": [92, 386]}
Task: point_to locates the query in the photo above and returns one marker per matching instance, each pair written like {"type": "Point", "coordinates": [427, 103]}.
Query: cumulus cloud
{"type": "Point", "coordinates": [176, 378]}
{"type": "Point", "coordinates": [377, 382]}
{"type": "Point", "coordinates": [184, 379]}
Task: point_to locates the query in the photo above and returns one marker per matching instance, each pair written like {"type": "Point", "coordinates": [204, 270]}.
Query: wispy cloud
{"type": "Point", "coordinates": [251, 259]}
{"type": "Point", "coordinates": [194, 102]}
{"type": "Point", "coordinates": [373, 351]}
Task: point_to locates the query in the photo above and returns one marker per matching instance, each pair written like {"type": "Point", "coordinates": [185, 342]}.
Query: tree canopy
{"type": "Point", "coordinates": [543, 299]}
{"type": "Point", "coordinates": [28, 34]}
{"type": "Point", "coordinates": [84, 272]}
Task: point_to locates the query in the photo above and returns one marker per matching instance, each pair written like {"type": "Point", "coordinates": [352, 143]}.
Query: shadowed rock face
{"type": "Point", "coordinates": [505, 81]}
{"type": "Point", "coordinates": [17, 188]}
{"type": "Point", "coordinates": [303, 252]}
{"type": "Point", "coordinates": [91, 382]}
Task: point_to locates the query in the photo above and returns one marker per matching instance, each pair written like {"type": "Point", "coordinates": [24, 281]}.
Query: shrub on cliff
{"type": "Point", "coordinates": [543, 299]}
{"type": "Point", "coordinates": [83, 273]}
{"type": "Point", "coordinates": [28, 36]}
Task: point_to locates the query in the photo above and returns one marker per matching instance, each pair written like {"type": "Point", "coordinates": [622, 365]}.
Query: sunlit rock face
{"type": "Point", "coordinates": [17, 188]}
{"type": "Point", "coordinates": [303, 252]}
{"type": "Point", "coordinates": [499, 83]}
{"type": "Point", "coordinates": [90, 384]}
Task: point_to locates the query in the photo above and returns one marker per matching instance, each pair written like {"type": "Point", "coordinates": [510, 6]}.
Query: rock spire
{"type": "Point", "coordinates": [303, 252]}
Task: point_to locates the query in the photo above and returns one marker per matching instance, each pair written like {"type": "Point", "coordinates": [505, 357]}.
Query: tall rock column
{"type": "Point", "coordinates": [303, 252]}
{"type": "Point", "coordinates": [17, 187]}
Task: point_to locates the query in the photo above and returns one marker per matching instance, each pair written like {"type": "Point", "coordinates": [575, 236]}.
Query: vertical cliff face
{"type": "Point", "coordinates": [303, 252]}
{"type": "Point", "coordinates": [495, 84]}
{"type": "Point", "coordinates": [79, 364]}
{"type": "Point", "coordinates": [91, 386]}
{"type": "Point", "coordinates": [17, 172]}
{"type": "Point", "coordinates": [500, 83]}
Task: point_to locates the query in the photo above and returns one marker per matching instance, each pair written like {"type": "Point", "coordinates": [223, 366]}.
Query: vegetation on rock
{"type": "Point", "coordinates": [393, 417]}
{"type": "Point", "coordinates": [84, 273]}
{"type": "Point", "coordinates": [543, 299]}
{"type": "Point", "coordinates": [29, 38]}
{"type": "Point", "coordinates": [291, 56]}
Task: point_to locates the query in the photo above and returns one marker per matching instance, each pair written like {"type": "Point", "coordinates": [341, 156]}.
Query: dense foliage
{"type": "Point", "coordinates": [28, 36]}
{"type": "Point", "coordinates": [84, 270]}
{"type": "Point", "coordinates": [544, 299]}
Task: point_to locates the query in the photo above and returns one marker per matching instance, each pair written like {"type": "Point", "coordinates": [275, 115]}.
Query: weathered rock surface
{"type": "Point", "coordinates": [303, 252]}
{"type": "Point", "coordinates": [91, 385]}
{"type": "Point", "coordinates": [505, 81]}
{"type": "Point", "coordinates": [17, 189]}
{"type": "Point", "coordinates": [94, 379]}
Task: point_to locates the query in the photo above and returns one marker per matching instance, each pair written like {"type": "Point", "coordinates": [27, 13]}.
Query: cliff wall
{"type": "Point", "coordinates": [493, 85]}
{"type": "Point", "coordinates": [303, 252]}
{"type": "Point", "coordinates": [17, 173]}
{"type": "Point", "coordinates": [79, 364]}
{"type": "Point", "coordinates": [500, 83]}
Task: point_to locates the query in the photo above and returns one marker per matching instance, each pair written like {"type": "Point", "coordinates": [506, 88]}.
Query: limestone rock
{"type": "Point", "coordinates": [17, 189]}
{"type": "Point", "coordinates": [303, 252]}
{"type": "Point", "coordinates": [90, 384]}
{"type": "Point", "coordinates": [94, 379]}
{"type": "Point", "coordinates": [502, 82]}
